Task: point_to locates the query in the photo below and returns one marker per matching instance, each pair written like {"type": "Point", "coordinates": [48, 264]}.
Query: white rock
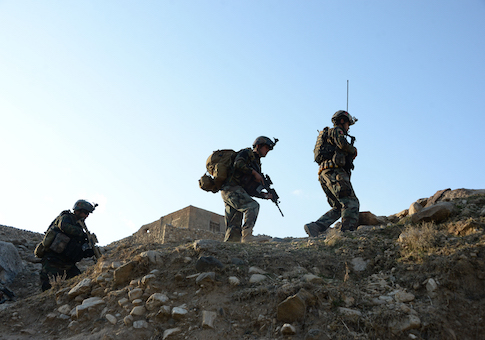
{"type": "Point", "coordinates": [73, 325]}
{"type": "Point", "coordinates": [386, 298]}
{"type": "Point", "coordinates": [402, 296]}
{"type": "Point", "coordinates": [312, 278]}
{"type": "Point", "coordinates": [206, 278]}
{"type": "Point", "coordinates": [138, 310]}
{"type": "Point", "coordinates": [208, 318]}
{"type": "Point", "coordinates": [288, 329]}
{"type": "Point", "coordinates": [256, 278]}
{"type": "Point", "coordinates": [359, 264]}
{"type": "Point", "coordinates": [234, 281]}
{"type": "Point", "coordinates": [164, 311]}
{"type": "Point", "coordinates": [88, 307]}
{"type": "Point", "coordinates": [115, 264]}
{"type": "Point", "coordinates": [137, 302]}
{"type": "Point", "coordinates": [82, 287]}
{"type": "Point", "coordinates": [140, 324]}
{"type": "Point", "coordinates": [431, 285]}
{"type": "Point", "coordinates": [51, 316]}
{"type": "Point", "coordinates": [123, 302]}
{"type": "Point", "coordinates": [64, 309]}
{"type": "Point", "coordinates": [135, 294]}
{"type": "Point", "coordinates": [111, 318]}
{"type": "Point", "coordinates": [147, 279]}
{"type": "Point", "coordinates": [201, 245]}
{"type": "Point", "coordinates": [256, 270]}
{"type": "Point", "coordinates": [170, 332]}
{"type": "Point", "coordinates": [93, 301]}
{"type": "Point", "coordinates": [155, 257]}
{"type": "Point", "coordinates": [179, 313]}
{"type": "Point", "coordinates": [128, 320]}
{"type": "Point", "coordinates": [156, 300]}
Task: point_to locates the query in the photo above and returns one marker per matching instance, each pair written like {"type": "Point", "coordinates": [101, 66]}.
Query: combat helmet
{"type": "Point", "coordinates": [261, 140]}
{"type": "Point", "coordinates": [84, 205]}
{"type": "Point", "coordinates": [343, 114]}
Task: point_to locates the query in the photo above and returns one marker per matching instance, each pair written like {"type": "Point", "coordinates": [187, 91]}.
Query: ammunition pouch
{"type": "Point", "coordinates": [60, 242]}
{"type": "Point", "coordinates": [339, 159]}
{"type": "Point", "coordinates": [207, 183]}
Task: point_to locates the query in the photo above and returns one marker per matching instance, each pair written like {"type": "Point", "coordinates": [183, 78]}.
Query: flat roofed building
{"type": "Point", "coordinates": [182, 224]}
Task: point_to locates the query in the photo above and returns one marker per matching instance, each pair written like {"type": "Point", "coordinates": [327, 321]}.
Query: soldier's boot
{"type": "Point", "coordinates": [248, 237]}
{"type": "Point", "coordinates": [233, 235]}
{"type": "Point", "coordinates": [312, 229]}
{"type": "Point", "coordinates": [348, 225]}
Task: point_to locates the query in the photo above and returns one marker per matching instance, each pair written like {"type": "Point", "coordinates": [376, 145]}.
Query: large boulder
{"type": "Point", "coordinates": [414, 208]}
{"type": "Point", "coordinates": [124, 273]}
{"type": "Point", "coordinates": [10, 262]}
{"type": "Point", "coordinates": [448, 194]}
{"type": "Point", "coordinates": [438, 196]}
{"type": "Point", "coordinates": [435, 213]}
{"type": "Point", "coordinates": [368, 218]}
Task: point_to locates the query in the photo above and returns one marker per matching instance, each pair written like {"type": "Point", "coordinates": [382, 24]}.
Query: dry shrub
{"type": "Point", "coordinates": [57, 281]}
{"type": "Point", "coordinates": [464, 227]}
{"type": "Point", "coordinates": [419, 237]}
{"type": "Point", "coordinates": [333, 236]}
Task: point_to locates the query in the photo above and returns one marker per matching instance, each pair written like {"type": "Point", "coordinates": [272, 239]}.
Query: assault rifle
{"type": "Point", "coordinates": [349, 160]}
{"type": "Point", "coordinates": [92, 239]}
{"type": "Point", "coordinates": [274, 196]}
{"type": "Point", "coordinates": [254, 188]}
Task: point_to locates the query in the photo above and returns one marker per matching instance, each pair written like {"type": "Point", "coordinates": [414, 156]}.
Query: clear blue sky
{"type": "Point", "coordinates": [121, 102]}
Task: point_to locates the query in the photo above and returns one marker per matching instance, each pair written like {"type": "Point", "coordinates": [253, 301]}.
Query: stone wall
{"type": "Point", "coordinates": [190, 223]}
{"type": "Point", "coordinates": [170, 234]}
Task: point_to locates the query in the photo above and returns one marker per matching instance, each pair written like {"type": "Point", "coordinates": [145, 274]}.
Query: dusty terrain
{"type": "Point", "coordinates": [393, 280]}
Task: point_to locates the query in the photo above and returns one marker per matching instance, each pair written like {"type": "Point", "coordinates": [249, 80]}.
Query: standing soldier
{"type": "Point", "coordinates": [336, 164]}
{"type": "Point", "coordinates": [65, 243]}
{"type": "Point", "coordinates": [238, 189]}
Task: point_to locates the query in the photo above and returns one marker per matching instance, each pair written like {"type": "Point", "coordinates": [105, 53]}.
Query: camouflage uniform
{"type": "Point", "coordinates": [237, 200]}
{"type": "Point", "coordinates": [64, 264]}
{"type": "Point", "coordinates": [335, 182]}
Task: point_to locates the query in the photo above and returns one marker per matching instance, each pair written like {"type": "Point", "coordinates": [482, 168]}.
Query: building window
{"type": "Point", "coordinates": [214, 227]}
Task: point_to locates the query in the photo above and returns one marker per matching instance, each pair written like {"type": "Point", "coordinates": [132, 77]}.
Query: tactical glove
{"type": "Point", "coordinates": [88, 252]}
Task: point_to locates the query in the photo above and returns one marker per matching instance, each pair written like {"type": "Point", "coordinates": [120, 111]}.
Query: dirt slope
{"type": "Point", "coordinates": [396, 280]}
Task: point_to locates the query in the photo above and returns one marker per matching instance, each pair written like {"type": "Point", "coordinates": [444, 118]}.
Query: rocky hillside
{"type": "Point", "coordinates": [418, 274]}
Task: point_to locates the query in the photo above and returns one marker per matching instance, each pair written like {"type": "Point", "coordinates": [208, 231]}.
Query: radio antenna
{"type": "Point", "coordinates": [347, 96]}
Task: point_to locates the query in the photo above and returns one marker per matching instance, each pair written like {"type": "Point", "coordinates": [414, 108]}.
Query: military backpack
{"type": "Point", "coordinates": [54, 239]}
{"type": "Point", "coordinates": [219, 166]}
{"type": "Point", "coordinates": [323, 149]}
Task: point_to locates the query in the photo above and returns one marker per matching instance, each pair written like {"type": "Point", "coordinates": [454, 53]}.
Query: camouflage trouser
{"type": "Point", "coordinates": [341, 197]}
{"type": "Point", "coordinates": [238, 203]}
{"type": "Point", "coordinates": [52, 270]}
